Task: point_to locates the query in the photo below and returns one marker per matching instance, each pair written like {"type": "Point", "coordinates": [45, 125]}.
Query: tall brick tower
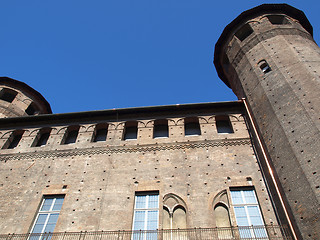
{"type": "Point", "coordinates": [267, 55]}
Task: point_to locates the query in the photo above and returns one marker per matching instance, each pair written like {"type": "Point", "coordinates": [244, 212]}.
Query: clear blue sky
{"type": "Point", "coordinates": [86, 55]}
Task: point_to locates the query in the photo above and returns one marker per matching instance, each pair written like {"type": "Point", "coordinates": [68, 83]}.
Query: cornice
{"type": "Point", "coordinates": [125, 149]}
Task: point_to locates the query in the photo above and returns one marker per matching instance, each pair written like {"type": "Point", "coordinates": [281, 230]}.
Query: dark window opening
{"type": "Point", "coordinates": [191, 127]}
{"type": "Point", "coordinates": [13, 140]}
{"type": "Point", "coordinates": [264, 66]}
{"type": "Point", "coordinates": [244, 32]}
{"type": "Point", "coordinates": [130, 131]}
{"type": "Point", "coordinates": [32, 109]}
{"type": "Point", "coordinates": [160, 129]}
{"type": "Point", "coordinates": [8, 95]}
{"type": "Point", "coordinates": [43, 137]}
{"type": "Point", "coordinates": [278, 19]}
{"type": "Point", "coordinates": [71, 135]}
{"type": "Point", "coordinates": [101, 133]}
{"type": "Point", "coordinates": [223, 124]}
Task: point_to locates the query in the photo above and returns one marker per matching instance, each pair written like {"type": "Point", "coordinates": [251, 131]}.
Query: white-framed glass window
{"type": "Point", "coordinates": [47, 215]}
{"type": "Point", "coordinates": [247, 212]}
{"type": "Point", "coordinates": [146, 214]}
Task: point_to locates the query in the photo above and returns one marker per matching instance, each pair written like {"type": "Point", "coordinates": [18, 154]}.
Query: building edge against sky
{"type": "Point", "coordinates": [180, 166]}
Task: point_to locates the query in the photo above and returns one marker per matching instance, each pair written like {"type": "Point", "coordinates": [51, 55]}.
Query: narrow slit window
{"type": "Point", "coordinates": [191, 127]}
{"type": "Point", "coordinates": [71, 135]}
{"type": "Point", "coordinates": [130, 131]}
{"type": "Point", "coordinates": [264, 66]}
{"type": "Point", "coordinates": [101, 133]}
{"type": "Point", "coordinates": [160, 129]}
{"type": "Point", "coordinates": [244, 32]}
{"type": "Point", "coordinates": [223, 124]}
{"type": "Point", "coordinates": [7, 95]}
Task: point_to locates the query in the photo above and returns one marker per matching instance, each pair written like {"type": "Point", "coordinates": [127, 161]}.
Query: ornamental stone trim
{"type": "Point", "coordinates": [124, 149]}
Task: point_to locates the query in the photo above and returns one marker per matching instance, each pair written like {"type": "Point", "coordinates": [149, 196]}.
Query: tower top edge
{"type": "Point", "coordinates": [249, 14]}
{"type": "Point", "coordinates": [23, 87]}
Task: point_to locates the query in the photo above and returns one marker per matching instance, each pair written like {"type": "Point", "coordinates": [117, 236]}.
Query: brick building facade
{"type": "Point", "coordinates": [209, 171]}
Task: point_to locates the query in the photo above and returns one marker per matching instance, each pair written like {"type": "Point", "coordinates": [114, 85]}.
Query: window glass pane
{"type": "Point", "coordinates": [153, 201]}
{"type": "Point", "coordinates": [139, 219]}
{"type": "Point", "coordinates": [254, 215]}
{"type": "Point", "coordinates": [236, 197]}
{"type": "Point", "coordinates": [140, 201]}
{"type": "Point", "coordinates": [47, 204]}
{"type": "Point", "coordinates": [42, 218]}
{"type": "Point", "coordinates": [249, 196]}
{"type": "Point", "coordinates": [152, 223]}
{"type": "Point", "coordinates": [58, 204]}
{"type": "Point", "coordinates": [38, 228]}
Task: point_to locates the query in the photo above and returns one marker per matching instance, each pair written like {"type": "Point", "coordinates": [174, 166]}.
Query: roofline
{"type": "Point", "coordinates": [122, 113]}
{"type": "Point", "coordinates": [24, 87]}
{"type": "Point", "coordinates": [249, 14]}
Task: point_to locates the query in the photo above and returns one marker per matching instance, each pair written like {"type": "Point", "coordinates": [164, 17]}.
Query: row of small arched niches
{"type": "Point", "coordinates": [192, 127]}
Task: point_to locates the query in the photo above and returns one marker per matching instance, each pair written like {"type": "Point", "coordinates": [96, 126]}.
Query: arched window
{"type": "Point", "coordinates": [222, 216]}
{"type": "Point", "coordinates": [174, 212]}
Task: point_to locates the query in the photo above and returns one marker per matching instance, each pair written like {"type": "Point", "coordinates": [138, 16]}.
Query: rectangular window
{"type": "Point", "coordinates": [146, 214]}
{"type": "Point", "coordinates": [71, 135]}
{"type": "Point", "coordinates": [191, 127]}
{"type": "Point", "coordinates": [130, 131]}
{"type": "Point", "coordinates": [47, 215]}
{"type": "Point", "coordinates": [223, 124]}
{"type": "Point", "coordinates": [13, 140]}
{"type": "Point", "coordinates": [43, 137]}
{"type": "Point", "coordinates": [101, 133]}
{"type": "Point", "coordinates": [160, 129]}
{"type": "Point", "coordinates": [247, 212]}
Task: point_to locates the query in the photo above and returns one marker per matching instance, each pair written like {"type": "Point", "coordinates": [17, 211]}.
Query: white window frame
{"type": "Point", "coordinates": [49, 212]}
{"type": "Point", "coordinates": [146, 209]}
{"type": "Point", "coordinates": [245, 205]}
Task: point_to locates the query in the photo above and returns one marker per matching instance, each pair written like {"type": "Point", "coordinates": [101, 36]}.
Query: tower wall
{"type": "Point", "coordinates": [268, 56]}
{"type": "Point", "coordinates": [17, 99]}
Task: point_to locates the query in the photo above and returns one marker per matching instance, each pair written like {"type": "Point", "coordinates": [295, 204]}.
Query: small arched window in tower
{"type": "Point", "coordinates": [264, 66]}
{"type": "Point", "coordinates": [244, 32]}
{"type": "Point", "coordinates": [101, 132]}
{"type": "Point", "coordinates": [8, 95]}
{"type": "Point", "coordinates": [278, 19]}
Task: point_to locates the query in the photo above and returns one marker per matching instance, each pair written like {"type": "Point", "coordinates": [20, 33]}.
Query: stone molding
{"type": "Point", "coordinates": [125, 149]}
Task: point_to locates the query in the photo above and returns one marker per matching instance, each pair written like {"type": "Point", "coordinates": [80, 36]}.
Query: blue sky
{"type": "Point", "coordinates": [86, 55]}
